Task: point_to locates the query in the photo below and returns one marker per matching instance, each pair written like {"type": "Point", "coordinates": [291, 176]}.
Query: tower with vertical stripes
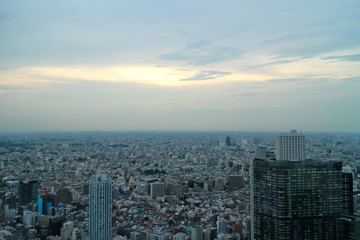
{"type": "Point", "coordinates": [100, 208]}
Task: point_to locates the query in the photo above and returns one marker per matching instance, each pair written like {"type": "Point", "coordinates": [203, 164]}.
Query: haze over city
{"type": "Point", "coordinates": [179, 65]}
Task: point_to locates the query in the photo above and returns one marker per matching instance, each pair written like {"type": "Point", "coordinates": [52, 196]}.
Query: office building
{"type": "Point", "coordinates": [180, 236]}
{"type": "Point", "coordinates": [296, 200]}
{"type": "Point", "coordinates": [236, 182]}
{"type": "Point", "coordinates": [227, 141]}
{"type": "Point", "coordinates": [100, 208]}
{"type": "Point", "coordinates": [157, 189]}
{"type": "Point", "coordinates": [28, 192]}
{"type": "Point", "coordinates": [210, 233]}
{"type": "Point", "coordinates": [290, 146]}
{"type": "Point", "coordinates": [348, 196]}
{"type": "Point", "coordinates": [351, 225]}
{"type": "Point", "coordinates": [292, 198]}
{"type": "Point", "coordinates": [197, 233]}
{"type": "Point", "coordinates": [175, 189]}
{"type": "Point", "coordinates": [219, 184]}
{"type": "Point", "coordinates": [221, 226]}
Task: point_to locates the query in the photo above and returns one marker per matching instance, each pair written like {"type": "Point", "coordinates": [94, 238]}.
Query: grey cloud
{"type": "Point", "coordinates": [249, 94]}
{"type": "Point", "coordinates": [202, 53]}
{"type": "Point", "coordinates": [318, 41]}
{"type": "Point", "coordinates": [288, 80]}
{"type": "Point", "coordinates": [270, 63]}
{"type": "Point", "coordinates": [353, 79]}
{"type": "Point", "coordinates": [279, 62]}
{"type": "Point", "coordinates": [198, 44]}
{"type": "Point", "coordinates": [206, 75]}
{"type": "Point", "coordinates": [351, 58]}
{"type": "Point", "coordinates": [13, 88]}
{"type": "Point", "coordinates": [316, 49]}
{"type": "Point", "coordinates": [54, 79]}
{"type": "Point", "coordinates": [304, 80]}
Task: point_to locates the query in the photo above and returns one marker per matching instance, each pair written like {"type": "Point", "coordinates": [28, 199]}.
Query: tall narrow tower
{"type": "Point", "coordinates": [100, 207]}
{"type": "Point", "coordinates": [290, 146]}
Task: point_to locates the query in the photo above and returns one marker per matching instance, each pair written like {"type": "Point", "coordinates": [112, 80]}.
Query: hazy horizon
{"type": "Point", "coordinates": [151, 132]}
{"type": "Point", "coordinates": [179, 66]}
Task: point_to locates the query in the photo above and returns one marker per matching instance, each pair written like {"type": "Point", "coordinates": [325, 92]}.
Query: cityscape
{"type": "Point", "coordinates": [180, 185]}
{"type": "Point", "coordinates": [179, 120]}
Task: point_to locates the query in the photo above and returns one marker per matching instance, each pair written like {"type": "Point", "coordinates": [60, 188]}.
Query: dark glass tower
{"type": "Point", "coordinates": [28, 192]}
{"type": "Point", "coordinates": [227, 141]}
{"type": "Point", "coordinates": [296, 200]}
{"type": "Point", "coordinates": [348, 198]}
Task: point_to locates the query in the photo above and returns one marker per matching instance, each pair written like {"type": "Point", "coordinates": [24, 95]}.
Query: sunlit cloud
{"type": "Point", "coordinates": [206, 75]}
{"type": "Point", "coordinates": [61, 65]}
{"type": "Point", "coordinates": [250, 68]}
{"type": "Point", "coordinates": [151, 75]}
{"type": "Point", "coordinates": [62, 75]}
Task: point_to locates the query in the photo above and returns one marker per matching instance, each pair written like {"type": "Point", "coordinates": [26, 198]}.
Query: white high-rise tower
{"type": "Point", "coordinates": [100, 208]}
{"type": "Point", "coordinates": [290, 146]}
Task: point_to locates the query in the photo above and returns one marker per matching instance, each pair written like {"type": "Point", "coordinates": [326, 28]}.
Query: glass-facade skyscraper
{"type": "Point", "coordinates": [294, 198]}
{"type": "Point", "coordinates": [28, 192]}
{"type": "Point", "coordinates": [100, 208]}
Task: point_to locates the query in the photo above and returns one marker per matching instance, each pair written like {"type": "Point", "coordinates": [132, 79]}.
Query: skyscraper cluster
{"type": "Point", "coordinates": [296, 198]}
{"type": "Point", "coordinates": [181, 187]}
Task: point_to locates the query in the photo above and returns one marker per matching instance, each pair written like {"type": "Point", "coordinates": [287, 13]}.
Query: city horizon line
{"type": "Point", "coordinates": [16, 132]}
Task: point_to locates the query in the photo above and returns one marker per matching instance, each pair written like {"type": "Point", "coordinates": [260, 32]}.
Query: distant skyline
{"type": "Point", "coordinates": [180, 66]}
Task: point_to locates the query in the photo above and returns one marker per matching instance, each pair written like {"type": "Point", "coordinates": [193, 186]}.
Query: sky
{"type": "Point", "coordinates": [180, 65]}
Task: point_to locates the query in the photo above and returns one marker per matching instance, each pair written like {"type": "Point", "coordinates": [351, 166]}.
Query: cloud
{"type": "Point", "coordinates": [271, 63]}
{"type": "Point", "coordinates": [13, 88]}
{"type": "Point", "coordinates": [353, 79]}
{"type": "Point", "coordinates": [290, 80]}
{"type": "Point", "coordinates": [310, 41]}
{"type": "Point", "coordinates": [350, 58]}
{"type": "Point", "coordinates": [198, 44]}
{"type": "Point", "coordinates": [249, 94]}
{"type": "Point", "coordinates": [202, 53]}
{"type": "Point", "coordinates": [206, 75]}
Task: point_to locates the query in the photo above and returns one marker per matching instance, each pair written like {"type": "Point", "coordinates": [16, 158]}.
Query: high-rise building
{"type": "Point", "coordinates": [100, 208]}
{"type": "Point", "coordinates": [227, 141]}
{"type": "Point", "coordinates": [296, 199]}
{"type": "Point", "coordinates": [221, 226]}
{"type": "Point", "coordinates": [290, 146]}
{"type": "Point", "coordinates": [293, 198]}
{"type": "Point", "coordinates": [197, 233]}
{"type": "Point", "coordinates": [28, 192]}
{"type": "Point", "coordinates": [175, 189]}
{"type": "Point", "coordinates": [2, 195]}
{"type": "Point", "coordinates": [157, 189]}
{"type": "Point", "coordinates": [348, 196]}
{"type": "Point", "coordinates": [351, 225]}
{"type": "Point", "coordinates": [210, 233]}
{"type": "Point", "coordinates": [219, 184]}
{"type": "Point", "coordinates": [180, 236]}
{"type": "Point", "coordinates": [236, 182]}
